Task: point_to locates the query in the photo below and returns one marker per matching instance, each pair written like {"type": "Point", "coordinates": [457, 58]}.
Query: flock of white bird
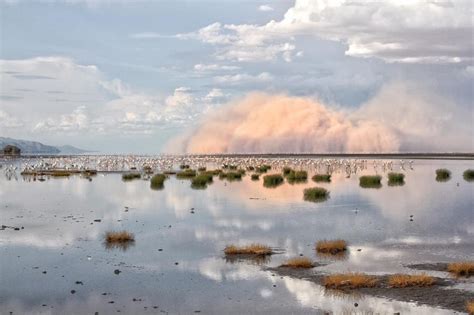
{"type": "Point", "coordinates": [124, 163]}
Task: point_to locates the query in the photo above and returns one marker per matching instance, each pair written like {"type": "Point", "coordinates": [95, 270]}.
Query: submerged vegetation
{"type": "Point", "coordinates": [443, 175]}
{"type": "Point", "coordinates": [321, 178]}
{"type": "Point", "coordinates": [396, 179]}
{"type": "Point", "coordinates": [370, 181]}
{"type": "Point", "coordinates": [298, 262]}
{"type": "Point", "coordinates": [349, 281]}
{"type": "Point", "coordinates": [252, 249]}
{"type": "Point", "coordinates": [157, 181]}
{"type": "Point", "coordinates": [315, 194]}
{"type": "Point", "coordinates": [468, 175]}
{"type": "Point", "coordinates": [297, 176]}
{"type": "Point", "coordinates": [462, 269]}
{"type": "Point", "coordinates": [331, 246]}
{"type": "Point", "coordinates": [403, 281]}
{"type": "Point", "coordinates": [131, 176]}
{"type": "Point", "coordinates": [272, 180]}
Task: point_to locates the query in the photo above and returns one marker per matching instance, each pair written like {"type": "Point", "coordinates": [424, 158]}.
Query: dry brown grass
{"type": "Point", "coordinates": [252, 249]}
{"type": "Point", "coordinates": [349, 281]}
{"type": "Point", "coordinates": [403, 281]}
{"type": "Point", "coordinates": [298, 262]}
{"type": "Point", "coordinates": [331, 247]}
{"type": "Point", "coordinates": [470, 307]}
{"type": "Point", "coordinates": [119, 237]}
{"type": "Point", "coordinates": [462, 269]}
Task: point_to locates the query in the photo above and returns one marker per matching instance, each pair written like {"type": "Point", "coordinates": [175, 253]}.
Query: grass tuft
{"type": "Point", "coordinates": [331, 246]}
{"type": "Point", "coordinates": [272, 180]}
{"type": "Point", "coordinates": [187, 173]}
{"type": "Point", "coordinates": [396, 179]}
{"type": "Point", "coordinates": [255, 177]}
{"type": "Point", "coordinates": [462, 269]}
{"type": "Point", "coordinates": [315, 194]}
{"type": "Point", "coordinates": [403, 281]}
{"type": "Point", "coordinates": [202, 169]}
{"type": "Point", "coordinates": [131, 176]}
{"type": "Point", "coordinates": [230, 176]}
{"type": "Point", "coordinates": [184, 166]}
{"type": "Point", "coordinates": [119, 239]}
{"type": "Point", "coordinates": [321, 178]}
{"type": "Point", "coordinates": [370, 181]}
{"type": "Point", "coordinates": [201, 181]}
{"type": "Point", "coordinates": [252, 249]}
{"type": "Point", "coordinates": [443, 175]}
{"type": "Point", "coordinates": [263, 168]}
{"type": "Point", "coordinates": [468, 175]}
{"type": "Point", "coordinates": [286, 170]}
{"type": "Point", "coordinates": [156, 182]}
{"type": "Point", "coordinates": [349, 281]}
{"type": "Point", "coordinates": [298, 262]}
{"type": "Point", "coordinates": [297, 177]}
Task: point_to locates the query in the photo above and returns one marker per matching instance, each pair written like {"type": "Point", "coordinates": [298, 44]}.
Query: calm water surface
{"type": "Point", "coordinates": [59, 243]}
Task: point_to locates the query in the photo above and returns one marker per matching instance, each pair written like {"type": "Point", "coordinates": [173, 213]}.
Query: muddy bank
{"type": "Point", "coordinates": [438, 295]}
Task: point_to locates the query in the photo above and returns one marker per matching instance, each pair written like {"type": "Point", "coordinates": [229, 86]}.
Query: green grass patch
{"type": "Point", "coordinates": [255, 177]}
{"type": "Point", "coordinates": [321, 178]}
{"type": "Point", "coordinates": [230, 176]}
{"type": "Point", "coordinates": [131, 176]}
{"type": "Point", "coordinates": [201, 181]}
{"type": "Point", "coordinates": [184, 166]}
{"type": "Point", "coordinates": [263, 168]}
{"type": "Point", "coordinates": [396, 179]}
{"type": "Point", "coordinates": [468, 175]}
{"type": "Point", "coordinates": [187, 173]}
{"type": "Point", "coordinates": [272, 180]}
{"type": "Point", "coordinates": [370, 181]}
{"type": "Point", "coordinates": [157, 181]}
{"type": "Point", "coordinates": [297, 177]}
{"type": "Point", "coordinates": [315, 194]}
{"type": "Point", "coordinates": [286, 170]}
{"type": "Point", "coordinates": [443, 175]}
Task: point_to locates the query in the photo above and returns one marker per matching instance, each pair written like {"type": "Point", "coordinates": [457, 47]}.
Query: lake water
{"type": "Point", "coordinates": [177, 264]}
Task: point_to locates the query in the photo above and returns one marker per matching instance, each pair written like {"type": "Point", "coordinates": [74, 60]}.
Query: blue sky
{"type": "Point", "coordinates": [123, 76]}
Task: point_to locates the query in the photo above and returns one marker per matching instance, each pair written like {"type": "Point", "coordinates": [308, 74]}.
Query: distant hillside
{"type": "Point", "coordinates": [33, 147]}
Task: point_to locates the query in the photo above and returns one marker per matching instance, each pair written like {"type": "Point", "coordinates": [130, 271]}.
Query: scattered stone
{"type": "Point", "coordinates": [97, 220]}
{"type": "Point", "coordinates": [116, 271]}
{"type": "Point", "coordinates": [73, 291]}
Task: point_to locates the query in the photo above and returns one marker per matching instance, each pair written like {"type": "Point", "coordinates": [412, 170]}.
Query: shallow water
{"type": "Point", "coordinates": [190, 274]}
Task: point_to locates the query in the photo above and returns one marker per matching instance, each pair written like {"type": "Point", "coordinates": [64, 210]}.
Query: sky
{"type": "Point", "coordinates": [239, 76]}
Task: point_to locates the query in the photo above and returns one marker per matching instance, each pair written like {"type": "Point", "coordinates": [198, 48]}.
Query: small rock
{"type": "Point", "coordinates": [73, 291]}
{"type": "Point", "coordinates": [116, 271]}
{"type": "Point", "coordinates": [355, 304]}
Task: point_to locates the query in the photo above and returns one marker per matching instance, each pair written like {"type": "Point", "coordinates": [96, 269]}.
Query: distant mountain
{"type": "Point", "coordinates": [33, 147]}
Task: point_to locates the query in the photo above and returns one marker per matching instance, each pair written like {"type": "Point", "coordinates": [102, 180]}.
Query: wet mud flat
{"type": "Point", "coordinates": [438, 295]}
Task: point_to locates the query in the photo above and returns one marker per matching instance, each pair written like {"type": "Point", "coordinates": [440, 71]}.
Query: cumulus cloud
{"type": "Point", "coordinates": [397, 31]}
{"type": "Point", "coordinates": [243, 78]}
{"type": "Point", "coordinates": [265, 8]}
{"type": "Point", "coordinates": [397, 118]}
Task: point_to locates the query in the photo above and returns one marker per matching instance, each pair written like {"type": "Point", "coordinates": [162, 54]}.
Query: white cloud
{"type": "Point", "coordinates": [265, 8]}
{"type": "Point", "coordinates": [214, 67]}
{"type": "Point", "coordinates": [243, 78]}
{"type": "Point", "coordinates": [421, 31]}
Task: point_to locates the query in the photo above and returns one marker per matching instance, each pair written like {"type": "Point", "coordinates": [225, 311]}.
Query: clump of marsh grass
{"type": "Point", "coordinates": [252, 249]}
{"type": "Point", "coordinates": [315, 194]}
{"type": "Point", "coordinates": [131, 176]}
{"type": "Point", "coordinates": [443, 175]}
{"type": "Point", "coordinates": [119, 239]}
{"type": "Point", "coordinates": [461, 269]}
{"type": "Point", "coordinates": [468, 175]}
{"type": "Point", "coordinates": [184, 166]}
{"type": "Point", "coordinates": [250, 168]}
{"type": "Point", "coordinates": [201, 181]}
{"type": "Point", "coordinates": [298, 262]}
{"type": "Point", "coordinates": [370, 181]}
{"type": "Point", "coordinates": [263, 168]}
{"type": "Point", "coordinates": [297, 177]}
{"type": "Point", "coordinates": [403, 281]}
{"type": "Point", "coordinates": [187, 173]}
{"type": "Point", "coordinates": [396, 179]}
{"type": "Point", "coordinates": [230, 176]}
{"type": "Point", "coordinates": [332, 247]}
{"type": "Point", "coordinates": [272, 180]}
{"type": "Point", "coordinates": [255, 177]}
{"type": "Point", "coordinates": [321, 178]}
{"type": "Point", "coordinates": [202, 169]}
{"type": "Point", "coordinates": [349, 281]}
{"type": "Point", "coordinates": [157, 181]}
{"type": "Point", "coordinates": [286, 170]}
